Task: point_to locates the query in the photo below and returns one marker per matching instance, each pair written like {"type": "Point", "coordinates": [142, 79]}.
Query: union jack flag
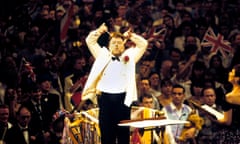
{"type": "Point", "coordinates": [216, 43]}
{"type": "Point", "coordinates": [156, 33]}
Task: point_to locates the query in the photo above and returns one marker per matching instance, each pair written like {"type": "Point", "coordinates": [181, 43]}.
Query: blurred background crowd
{"type": "Point", "coordinates": [44, 57]}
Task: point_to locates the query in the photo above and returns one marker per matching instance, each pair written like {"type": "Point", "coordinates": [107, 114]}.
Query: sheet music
{"type": "Point", "coordinates": [212, 111]}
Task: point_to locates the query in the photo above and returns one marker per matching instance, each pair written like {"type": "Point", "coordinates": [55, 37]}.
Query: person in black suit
{"type": "Point", "coordinates": [21, 133]}
{"type": "Point", "coordinates": [51, 100]}
{"type": "Point", "coordinates": [5, 125]}
{"type": "Point", "coordinates": [39, 122]}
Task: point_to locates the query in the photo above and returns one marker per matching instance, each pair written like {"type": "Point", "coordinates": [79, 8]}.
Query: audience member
{"type": "Point", "coordinates": [236, 58]}
{"type": "Point", "coordinates": [216, 67]}
{"type": "Point", "coordinates": [145, 136]}
{"type": "Point", "coordinates": [184, 72]}
{"type": "Point", "coordinates": [144, 69]}
{"type": "Point", "coordinates": [147, 101]}
{"type": "Point", "coordinates": [166, 90]}
{"type": "Point", "coordinates": [5, 125]}
{"type": "Point", "coordinates": [168, 21]}
{"type": "Point", "coordinates": [56, 131]}
{"type": "Point", "coordinates": [12, 100]}
{"type": "Point", "coordinates": [175, 55]}
{"type": "Point", "coordinates": [234, 39]}
{"type": "Point", "coordinates": [21, 131]}
{"type": "Point", "coordinates": [177, 110]}
{"type": "Point", "coordinates": [9, 73]}
{"type": "Point", "coordinates": [207, 135]}
{"type": "Point", "coordinates": [40, 119]}
{"type": "Point", "coordinates": [196, 92]}
{"type": "Point", "coordinates": [74, 82]}
{"type": "Point", "coordinates": [27, 75]}
{"type": "Point", "coordinates": [165, 69]}
{"type": "Point", "coordinates": [52, 101]}
{"type": "Point", "coordinates": [198, 72]}
{"type": "Point", "coordinates": [191, 46]}
{"type": "Point", "coordinates": [220, 89]}
{"type": "Point", "coordinates": [186, 28]}
{"type": "Point", "coordinates": [145, 88]}
{"type": "Point", "coordinates": [154, 80]}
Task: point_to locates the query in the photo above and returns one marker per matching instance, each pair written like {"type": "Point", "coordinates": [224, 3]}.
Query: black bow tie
{"type": "Point", "coordinates": [115, 58]}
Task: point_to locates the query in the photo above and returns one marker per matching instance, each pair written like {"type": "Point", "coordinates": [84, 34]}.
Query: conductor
{"type": "Point", "coordinates": [111, 82]}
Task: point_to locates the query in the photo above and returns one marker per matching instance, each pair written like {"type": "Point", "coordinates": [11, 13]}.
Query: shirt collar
{"type": "Point", "coordinates": [22, 128]}
{"type": "Point", "coordinates": [35, 103]}
{"type": "Point", "coordinates": [174, 108]}
{"type": "Point", "coordinates": [180, 112]}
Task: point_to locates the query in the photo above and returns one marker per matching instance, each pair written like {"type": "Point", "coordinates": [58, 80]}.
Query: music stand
{"type": "Point", "coordinates": [151, 123]}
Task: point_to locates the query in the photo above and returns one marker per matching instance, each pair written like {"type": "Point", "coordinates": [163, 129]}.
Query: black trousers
{"type": "Point", "coordinates": [111, 111]}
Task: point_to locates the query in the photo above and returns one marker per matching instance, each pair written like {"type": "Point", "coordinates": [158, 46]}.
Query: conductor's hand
{"type": "Point", "coordinates": [128, 33]}
{"type": "Point", "coordinates": [102, 28]}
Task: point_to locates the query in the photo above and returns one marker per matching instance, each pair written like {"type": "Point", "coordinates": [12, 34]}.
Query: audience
{"type": "Point", "coordinates": [41, 38]}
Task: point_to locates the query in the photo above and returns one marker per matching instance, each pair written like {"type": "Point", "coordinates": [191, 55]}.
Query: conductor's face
{"type": "Point", "coordinates": [116, 46]}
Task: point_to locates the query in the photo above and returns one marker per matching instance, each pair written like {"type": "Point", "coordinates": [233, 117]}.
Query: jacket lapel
{"type": "Point", "coordinates": [94, 76]}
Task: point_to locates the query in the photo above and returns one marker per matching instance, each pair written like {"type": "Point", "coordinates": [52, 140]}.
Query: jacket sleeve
{"type": "Point", "coordinates": [92, 43]}
{"type": "Point", "coordinates": [141, 46]}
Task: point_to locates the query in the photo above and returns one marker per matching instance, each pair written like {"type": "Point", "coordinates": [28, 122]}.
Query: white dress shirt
{"type": "Point", "coordinates": [25, 134]}
{"type": "Point", "coordinates": [114, 79]}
